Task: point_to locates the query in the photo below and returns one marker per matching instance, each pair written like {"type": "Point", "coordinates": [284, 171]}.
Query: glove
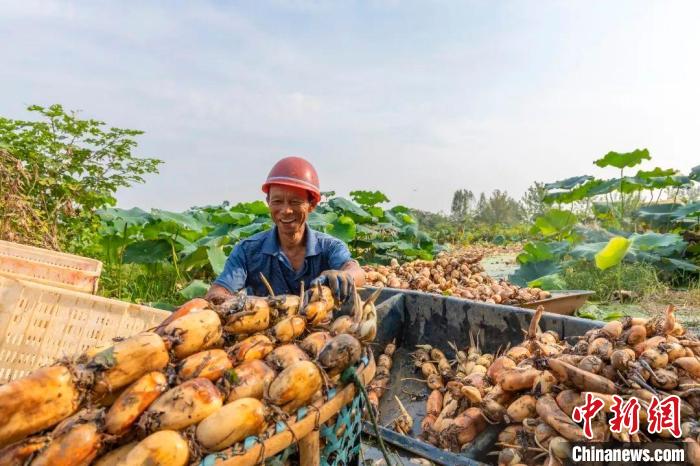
{"type": "Point", "coordinates": [341, 283]}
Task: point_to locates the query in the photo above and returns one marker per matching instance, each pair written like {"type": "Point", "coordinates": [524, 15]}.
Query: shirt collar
{"type": "Point", "coordinates": [271, 244]}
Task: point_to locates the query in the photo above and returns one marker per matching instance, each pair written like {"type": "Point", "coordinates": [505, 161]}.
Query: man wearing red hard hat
{"type": "Point", "coordinates": [291, 252]}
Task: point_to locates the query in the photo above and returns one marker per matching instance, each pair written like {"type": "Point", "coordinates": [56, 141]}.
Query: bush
{"type": "Point", "coordinates": [55, 173]}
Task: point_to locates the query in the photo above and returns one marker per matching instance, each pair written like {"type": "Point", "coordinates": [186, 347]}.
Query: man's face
{"type": "Point", "coordinates": [289, 208]}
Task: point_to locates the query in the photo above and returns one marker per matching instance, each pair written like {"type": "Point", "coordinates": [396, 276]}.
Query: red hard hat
{"type": "Point", "coordinates": [295, 172]}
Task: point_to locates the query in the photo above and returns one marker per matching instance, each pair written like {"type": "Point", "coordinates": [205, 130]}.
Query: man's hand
{"type": "Point", "coordinates": [218, 294]}
{"type": "Point", "coordinates": [341, 283]}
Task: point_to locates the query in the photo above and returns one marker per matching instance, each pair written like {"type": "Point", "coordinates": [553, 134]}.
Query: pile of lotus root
{"type": "Point", "coordinates": [460, 274]}
{"type": "Point", "coordinates": [201, 382]}
{"type": "Point", "coordinates": [533, 389]}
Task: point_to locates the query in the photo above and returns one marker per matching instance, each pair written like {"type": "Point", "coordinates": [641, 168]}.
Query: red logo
{"type": "Point", "coordinates": [585, 413]}
{"type": "Point", "coordinates": [625, 416]}
{"type": "Point", "coordinates": [665, 415]}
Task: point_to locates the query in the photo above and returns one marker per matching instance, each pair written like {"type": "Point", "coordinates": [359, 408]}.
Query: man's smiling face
{"type": "Point", "coordinates": [289, 208]}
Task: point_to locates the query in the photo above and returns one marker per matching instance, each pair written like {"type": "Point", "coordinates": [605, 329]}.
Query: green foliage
{"type": "Point", "coordinates": [568, 183]}
{"type": "Point", "coordinates": [639, 278]}
{"type": "Point", "coordinates": [462, 205]}
{"type": "Point", "coordinates": [594, 312]}
{"type": "Point", "coordinates": [368, 198]}
{"type": "Point", "coordinates": [72, 167]}
{"type": "Point", "coordinates": [532, 271]}
{"type": "Point", "coordinates": [549, 282]}
{"type": "Point", "coordinates": [556, 224]}
{"type": "Point", "coordinates": [623, 160]}
{"type": "Point", "coordinates": [143, 284]}
{"type": "Point", "coordinates": [498, 208]}
{"type": "Point", "coordinates": [532, 202]}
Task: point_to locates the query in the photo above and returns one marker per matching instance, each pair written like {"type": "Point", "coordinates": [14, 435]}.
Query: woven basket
{"type": "Point", "coordinates": [49, 267]}
{"type": "Point", "coordinates": [40, 323]}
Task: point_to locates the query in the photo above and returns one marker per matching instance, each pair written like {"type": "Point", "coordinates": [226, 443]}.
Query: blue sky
{"type": "Point", "coordinates": [417, 99]}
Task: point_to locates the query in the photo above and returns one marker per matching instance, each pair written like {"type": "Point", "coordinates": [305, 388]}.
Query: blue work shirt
{"type": "Point", "coordinates": [262, 253]}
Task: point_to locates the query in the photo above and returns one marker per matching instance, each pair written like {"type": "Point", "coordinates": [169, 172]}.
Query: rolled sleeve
{"type": "Point", "coordinates": [338, 255]}
{"type": "Point", "coordinates": [235, 272]}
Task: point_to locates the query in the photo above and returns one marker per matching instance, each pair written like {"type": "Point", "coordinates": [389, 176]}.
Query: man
{"type": "Point", "coordinates": [291, 252]}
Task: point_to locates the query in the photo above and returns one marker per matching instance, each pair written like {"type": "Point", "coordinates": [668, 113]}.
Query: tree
{"type": "Point", "coordinates": [66, 168]}
{"type": "Point", "coordinates": [533, 201]}
{"type": "Point", "coordinates": [499, 208]}
{"type": "Point", "coordinates": [462, 205]}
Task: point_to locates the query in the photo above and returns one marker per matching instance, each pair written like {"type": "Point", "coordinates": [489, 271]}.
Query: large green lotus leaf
{"type": "Point", "coordinates": [577, 194]}
{"type": "Point", "coordinates": [695, 173]}
{"type": "Point", "coordinates": [368, 231]}
{"type": "Point", "coordinates": [134, 216]}
{"type": "Point", "coordinates": [667, 264]}
{"type": "Point", "coordinates": [631, 184]}
{"type": "Point", "coordinates": [255, 208]}
{"type": "Point", "coordinates": [195, 259]}
{"type": "Point", "coordinates": [218, 236]}
{"type": "Point", "coordinates": [555, 222]}
{"type": "Point", "coordinates": [658, 215]}
{"type": "Point", "coordinates": [532, 271]}
{"type": "Point", "coordinates": [412, 232]}
{"type": "Point", "coordinates": [368, 198]}
{"type": "Point", "coordinates": [393, 219]}
{"type": "Point", "coordinates": [663, 244]}
{"type": "Point", "coordinates": [688, 210]}
{"type": "Point", "coordinates": [248, 230]}
{"type": "Point", "coordinates": [656, 172]}
{"type": "Point", "coordinates": [534, 252]}
{"type": "Point", "coordinates": [592, 235]}
{"type": "Point", "coordinates": [679, 264]}
{"type": "Point", "coordinates": [233, 218]}
{"type": "Point", "coordinates": [587, 250]}
{"type": "Point", "coordinates": [181, 220]}
{"type": "Point", "coordinates": [400, 245]}
{"type": "Point", "coordinates": [568, 183]}
{"type": "Point", "coordinates": [624, 159]}
{"type": "Point", "coordinates": [344, 228]}
{"type": "Point", "coordinates": [537, 251]}
{"type": "Point", "coordinates": [349, 208]}
{"type": "Point", "coordinates": [681, 180]}
{"type": "Point", "coordinates": [321, 221]}
{"type": "Point", "coordinates": [217, 258]}
{"type": "Point", "coordinates": [549, 282]}
{"type": "Point", "coordinates": [400, 209]}
{"type": "Point", "coordinates": [196, 289]}
{"type": "Point", "coordinates": [613, 253]}
{"type": "Point", "coordinates": [604, 187]}
{"type": "Point", "coordinates": [376, 212]}
{"type": "Point", "coordinates": [147, 252]}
